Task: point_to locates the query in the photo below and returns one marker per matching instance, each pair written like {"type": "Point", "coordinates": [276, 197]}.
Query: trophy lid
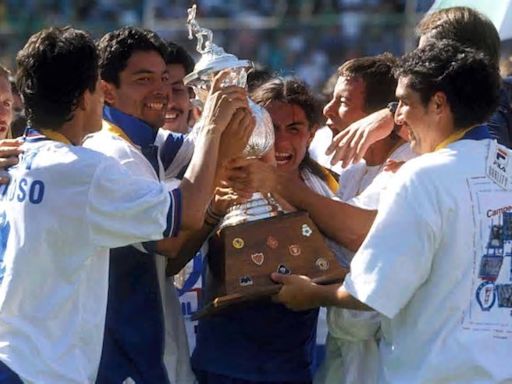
{"type": "Point", "coordinates": [213, 58]}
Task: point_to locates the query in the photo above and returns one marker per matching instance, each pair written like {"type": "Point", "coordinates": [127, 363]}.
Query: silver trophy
{"type": "Point", "coordinates": [213, 60]}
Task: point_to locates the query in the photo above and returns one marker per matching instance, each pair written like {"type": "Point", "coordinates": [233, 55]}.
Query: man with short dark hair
{"type": "Point", "coordinates": [427, 265]}
{"type": "Point", "coordinates": [364, 85]}
{"type": "Point", "coordinates": [460, 24]}
{"type": "Point", "coordinates": [179, 109]}
{"type": "Point", "coordinates": [144, 336]}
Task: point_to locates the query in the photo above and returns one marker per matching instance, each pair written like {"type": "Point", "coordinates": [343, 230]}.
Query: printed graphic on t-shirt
{"type": "Point", "coordinates": [490, 308]}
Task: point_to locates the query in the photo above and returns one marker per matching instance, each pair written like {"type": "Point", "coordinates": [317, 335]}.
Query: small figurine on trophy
{"type": "Point", "coordinates": [257, 237]}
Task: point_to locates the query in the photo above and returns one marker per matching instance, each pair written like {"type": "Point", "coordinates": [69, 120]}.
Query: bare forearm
{"type": "Point", "coordinates": [344, 223]}
{"type": "Point", "coordinates": [197, 184]}
{"type": "Point", "coordinates": [299, 293]}
{"type": "Point", "coordinates": [336, 296]}
{"type": "Point", "coordinates": [181, 250]}
{"type": "Point", "coordinates": [190, 246]}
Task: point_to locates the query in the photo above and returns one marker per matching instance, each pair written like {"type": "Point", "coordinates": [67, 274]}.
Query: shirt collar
{"type": "Point", "coordinates": [137, 131]}
{"type": "Point", "coordinates": [33, 135]}
{"type": "Point", "coordinates": [480, 132]}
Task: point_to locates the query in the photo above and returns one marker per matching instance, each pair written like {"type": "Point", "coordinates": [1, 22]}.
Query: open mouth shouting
{"type": "Point", "coordinates": [3, 127]}
{"type": "Point", "coordinates": [283, 158]}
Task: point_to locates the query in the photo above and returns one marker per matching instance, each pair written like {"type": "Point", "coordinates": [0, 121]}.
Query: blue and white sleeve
{"type": "Point", "coordinates": [175, 152]}
{"type": "Point", "coordinates": [123, 209]}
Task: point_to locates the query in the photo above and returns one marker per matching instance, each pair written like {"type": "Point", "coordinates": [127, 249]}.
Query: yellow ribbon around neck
{"type": "Point", "coordinates": [56, 136]}
{"type": "Point", "coordinates": [330, 180]}
{"type": "Point", "coordinates": [457, 135]}
{"type": "Point", "coordinates": [116, 131]}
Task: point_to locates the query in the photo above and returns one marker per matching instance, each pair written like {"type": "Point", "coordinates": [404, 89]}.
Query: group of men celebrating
{"type": "Point", "coordinates": [88, 225]}
{"type": "Point", "coordinates": [65, 301]}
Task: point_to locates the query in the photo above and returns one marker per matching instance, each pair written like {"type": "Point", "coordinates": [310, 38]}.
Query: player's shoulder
{"type": "Point", "coordinates": [110, 145]}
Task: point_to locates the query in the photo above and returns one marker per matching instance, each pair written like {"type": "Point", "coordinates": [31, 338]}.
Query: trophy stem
{"type": "Point", "coordinates": [256, 208]}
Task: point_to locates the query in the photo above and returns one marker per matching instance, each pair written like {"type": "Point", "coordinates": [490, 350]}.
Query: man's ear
{"type": "Point", "coordinates": [108, 92]}
{"type": "Point", "coordinates": [312, 132]}
{"type": "Point", "coordinates": [439, 102]}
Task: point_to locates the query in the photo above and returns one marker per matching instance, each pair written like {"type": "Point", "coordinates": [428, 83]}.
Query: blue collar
{"type": "Point", "coordinates": [480, 132]}
{"type": "Point", "coordinates": [32, 135]}
{"type": "Point", "coordinates": [138, 131]}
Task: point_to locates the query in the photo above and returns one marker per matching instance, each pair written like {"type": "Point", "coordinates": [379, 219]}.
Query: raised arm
{"type": "Point", "coordinates": [350, 145]}
{"type": "Point", "coordinates": [197, 184]}
{"type": "Point", "coordinates": [182, 248]}
{"type": "Point", "coordinates": [342, 222]}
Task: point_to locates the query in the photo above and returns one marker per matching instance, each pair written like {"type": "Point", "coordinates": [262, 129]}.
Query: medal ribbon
{"type": "Point", "coordinates": [479, 132]}
{"type": "Point", "coordinates": [45, 134]}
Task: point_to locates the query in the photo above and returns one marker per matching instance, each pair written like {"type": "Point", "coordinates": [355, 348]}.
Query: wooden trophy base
{"type": "Point", "coordinates": [242, 257]}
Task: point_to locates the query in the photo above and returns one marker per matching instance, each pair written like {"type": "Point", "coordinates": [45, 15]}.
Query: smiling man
{"type": "Point", "coordinates": [364, 85]}
{"type": "Point", "coordinates": [144, 332]}
{"type": "Point", "coordinates": [82, 203]}
{"type": "Point", "coordinates": [179, 64]}
{"type": "Point", "coordinates": [464, 25]}
{"type": "Point", "coordinates": [424, 265]}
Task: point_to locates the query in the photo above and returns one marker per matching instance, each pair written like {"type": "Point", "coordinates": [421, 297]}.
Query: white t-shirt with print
{"type": "Point", "coordinates": [420, 267]}
{"type": "Point", "coordinates": [352, 355]}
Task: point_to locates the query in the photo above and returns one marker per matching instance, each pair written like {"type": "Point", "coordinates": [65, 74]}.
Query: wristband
{"type": "Point", "coordinates": [211, 218]}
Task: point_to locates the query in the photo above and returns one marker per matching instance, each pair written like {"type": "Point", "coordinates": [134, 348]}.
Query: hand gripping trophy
{"type": "Point", "coordinates": [255, 238]}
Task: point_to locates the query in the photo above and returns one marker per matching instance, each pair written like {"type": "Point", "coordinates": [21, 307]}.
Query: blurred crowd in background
{"type": "Point", "coordinates": [307, 38]}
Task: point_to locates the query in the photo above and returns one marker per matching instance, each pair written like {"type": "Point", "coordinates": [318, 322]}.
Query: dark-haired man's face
{"type": "Point", "coordinates": [143, 88]}
{"type": "Point", "coordinates": [347, 103]}
{"type": "Point", "coordinates": [292, 134]}
{"type": "Point", "coordinates": [420, 121]}
{"type": "Point", "coordinates": [178, 108]}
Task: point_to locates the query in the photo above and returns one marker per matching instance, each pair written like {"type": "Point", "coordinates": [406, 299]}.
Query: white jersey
{"type": "Point", "coordinates": [371, 192]}
{"type": "Point", "coordinates": [176, 351]}
{"type": "Point", "coordinates": [355, 178]}
{"type": "Point", "coordinates": [322, 139]}
{"type": "Point", "coordinates": [352, 355]}
{"type": "Point", "coordinates": [61, 212]}
{"type": "Point", "coordinates": [430, 266]}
